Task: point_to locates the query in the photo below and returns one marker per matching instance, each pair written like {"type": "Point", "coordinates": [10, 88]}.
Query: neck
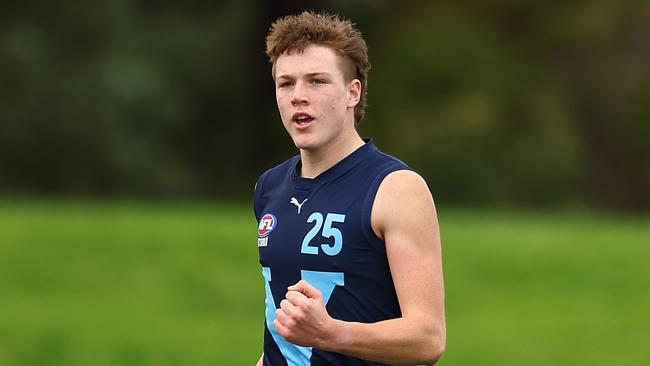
{"type": "Point", "coordinates": [317, 161]}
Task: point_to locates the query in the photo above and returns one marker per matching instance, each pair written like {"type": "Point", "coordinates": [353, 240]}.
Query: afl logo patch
{"type": "Point", "coordinates": [268, 222]}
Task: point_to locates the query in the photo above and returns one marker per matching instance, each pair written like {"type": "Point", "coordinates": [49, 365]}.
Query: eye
{"type": "Point", "coordinates": [284, 84]}
{"type": "Point", "coordinates": [318, 81]}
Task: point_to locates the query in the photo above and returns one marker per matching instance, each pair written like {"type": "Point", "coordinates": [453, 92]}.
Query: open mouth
{"type": "Point", "coordinates": [302, 119]}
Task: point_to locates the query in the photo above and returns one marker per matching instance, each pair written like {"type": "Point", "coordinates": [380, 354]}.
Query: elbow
{"type": "Point", "coordinates": [428, 355]}
{"type": "Point", "coordinates": [426, 343]}
{"type": "Point", "coordinates": [434, 347]}
{"type": "Point", "coordinates": [432, 355]}
{"type": "Point", "coordinates": [435, 354]}
{"type": "Point", "coordinates": [428, 348]}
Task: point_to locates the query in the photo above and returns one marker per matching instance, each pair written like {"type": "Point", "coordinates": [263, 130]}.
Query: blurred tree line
{"type": "Point", "coordinates": [494, 102]}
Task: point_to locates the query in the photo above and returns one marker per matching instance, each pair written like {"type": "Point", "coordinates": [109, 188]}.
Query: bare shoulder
{"type": "Point", "coordinates": [402, 201]}
{"type": "Point", "coordinates": [404, 182]}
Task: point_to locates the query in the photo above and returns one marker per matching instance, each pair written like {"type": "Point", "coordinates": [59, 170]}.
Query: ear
{"type": "Point", "coordinates": [354, 93]}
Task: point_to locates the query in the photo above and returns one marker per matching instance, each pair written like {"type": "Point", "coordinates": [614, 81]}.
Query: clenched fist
{"type": "Point", "coordinates": [302, 318]}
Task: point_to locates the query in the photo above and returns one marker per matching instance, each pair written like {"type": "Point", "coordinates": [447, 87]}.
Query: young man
{"type": "Point", "coordinates": [347, 236]}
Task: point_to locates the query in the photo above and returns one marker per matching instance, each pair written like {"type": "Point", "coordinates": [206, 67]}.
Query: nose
{"type": "Point", "coordinates": [299, 96]}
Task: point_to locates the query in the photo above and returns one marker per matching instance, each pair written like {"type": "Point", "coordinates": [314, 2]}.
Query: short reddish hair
{"type": "Point", "coordinates": [296, 32]}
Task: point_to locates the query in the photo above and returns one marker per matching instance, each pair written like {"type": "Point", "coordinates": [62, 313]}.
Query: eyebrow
{"type": "Point", "coordinates": [311, 74]}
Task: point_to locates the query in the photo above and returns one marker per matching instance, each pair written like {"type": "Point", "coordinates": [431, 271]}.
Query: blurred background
{"type": "Point", "coordinates": [132, 133]}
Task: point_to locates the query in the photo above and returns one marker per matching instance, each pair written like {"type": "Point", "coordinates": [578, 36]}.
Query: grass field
{"type": "Point", "coordinates": [166, 284]}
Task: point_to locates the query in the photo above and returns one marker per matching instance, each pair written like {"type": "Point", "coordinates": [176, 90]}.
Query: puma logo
{"type": "Point", "coordinates": [299, 205]}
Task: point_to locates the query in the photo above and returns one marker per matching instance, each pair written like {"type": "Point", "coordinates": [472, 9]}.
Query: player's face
{"type": "Point", "coordinates": [316, 103]}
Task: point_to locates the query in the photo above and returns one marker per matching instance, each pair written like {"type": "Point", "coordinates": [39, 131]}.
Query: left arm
{"type": "Point", "coordinates": [404, 216]}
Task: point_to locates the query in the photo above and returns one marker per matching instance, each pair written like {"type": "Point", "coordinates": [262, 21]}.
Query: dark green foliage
{"type": "Point", "coordinates": [509, 103]}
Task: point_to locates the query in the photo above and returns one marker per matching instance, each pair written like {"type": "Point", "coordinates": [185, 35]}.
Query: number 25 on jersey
{"type": "Point", "coordinates": [328, 231]}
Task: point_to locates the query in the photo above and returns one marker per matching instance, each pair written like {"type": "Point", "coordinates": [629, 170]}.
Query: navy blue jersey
{"type": "Point", "coordinates": [319, 230]}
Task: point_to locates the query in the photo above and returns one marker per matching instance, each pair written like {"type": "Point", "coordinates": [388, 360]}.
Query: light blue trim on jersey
{"type": "Point", "coordinates": [325, 283]}
{"type": "Point", "coordinates": [295, 355]}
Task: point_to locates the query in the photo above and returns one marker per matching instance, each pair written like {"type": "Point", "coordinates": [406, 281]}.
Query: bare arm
{"type": "Point", "coordinates": [260, 362]}
{"type": "Point", "coordinates": [404, 216]}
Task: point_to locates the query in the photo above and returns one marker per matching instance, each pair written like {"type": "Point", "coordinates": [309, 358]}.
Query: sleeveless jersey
{"type": "Point", "coordinates": [319, 230]}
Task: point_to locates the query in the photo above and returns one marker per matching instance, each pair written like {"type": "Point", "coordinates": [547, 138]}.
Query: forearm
{"type": "Point", "coordinates": [260, 362]}
{"type": "Point", "coordinates": [402, 341]}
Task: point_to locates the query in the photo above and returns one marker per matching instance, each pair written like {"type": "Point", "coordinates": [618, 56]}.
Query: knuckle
{"type": "Point", "coordinates": [288, 335]}
{"type": "Point", "coordinates": [299, 315]}
{"type": "Point", "coordinates": [279, 314]}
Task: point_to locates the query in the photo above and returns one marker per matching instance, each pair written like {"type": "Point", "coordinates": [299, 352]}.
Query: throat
{"type": "Point", "coordinates": [315, 163]}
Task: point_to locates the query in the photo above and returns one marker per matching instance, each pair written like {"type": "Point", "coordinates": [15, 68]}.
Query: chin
{"type": "Point", "coordinates": [304, 146]}
{"type": "Point", "coordinates": [304, 143]}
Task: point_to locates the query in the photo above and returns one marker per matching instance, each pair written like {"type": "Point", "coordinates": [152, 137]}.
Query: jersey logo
{"type": "Point", "coordinates": [299, 205]}
{"type": "Point", "coordinates": [268, 222]}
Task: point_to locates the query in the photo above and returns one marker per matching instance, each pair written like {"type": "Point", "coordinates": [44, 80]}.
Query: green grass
{"type": "Point", "coordinates": [164, 284]}
{"type": "Point", "coordinates": [525, 289]}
